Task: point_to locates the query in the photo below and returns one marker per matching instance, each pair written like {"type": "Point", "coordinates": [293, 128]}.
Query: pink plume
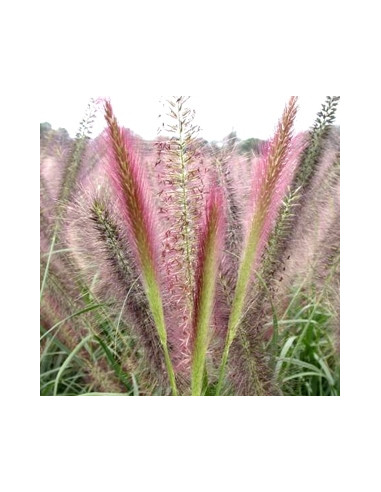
{"type": "Point", "coordinates": [130, 184]}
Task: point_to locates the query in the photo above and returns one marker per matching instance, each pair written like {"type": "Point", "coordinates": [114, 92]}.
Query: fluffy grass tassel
{"type": "Point", "coordinates": [131, 189]}
{"type": "Point", "coordinates": [270, 180]}
{"type": "Point", "coordinates": [211, 240]}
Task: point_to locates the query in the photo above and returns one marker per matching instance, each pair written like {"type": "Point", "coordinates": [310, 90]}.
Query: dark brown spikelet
{"type": "Point", "coordinates": [99, 248]}
{"type": "Point", "coordinates": [250, 369]}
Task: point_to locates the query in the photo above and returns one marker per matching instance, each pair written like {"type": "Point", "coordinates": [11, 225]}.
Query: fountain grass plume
{"type": "Point", "coordinates": [252, 362]}
{"type": "Point", "coordinates": [181, 184]}
{"type": "Point", "coordinates": [272, 173]}
{"type": "Point", "coordinates": [71, 172]}
{"type": "Point", "coordinates": [307, 248]}
{"type": "Point", "coordinates": [210, 245]}
{"type": "Point", "coordinates": [131, 190]}
{"type": "Point", "coordinates": [317, 135]}
{"type": "Point", "coordinates": [68, 179]}
{"type": "Point", "coordinates": [100, 249]}
{"type": "Point", "coordinates": [234, 234]}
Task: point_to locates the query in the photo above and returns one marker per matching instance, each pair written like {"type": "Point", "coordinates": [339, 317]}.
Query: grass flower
{"type": "Point", "coordinates": [271, 178]}
{"type": "Point", "coordinates": [209, 251]}
{"type": "Point", "coordinates": [131, 190]}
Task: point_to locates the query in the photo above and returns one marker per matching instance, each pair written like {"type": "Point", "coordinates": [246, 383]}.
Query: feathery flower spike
{"type": "Point", "coordinates": [131, 189]}
{"type": "Point", "coordinates": [210, 247]}
{"type": "Point", "coordinates": [272, 175]}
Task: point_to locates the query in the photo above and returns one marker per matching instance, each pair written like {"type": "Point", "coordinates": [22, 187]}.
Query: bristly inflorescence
{"type": "Point", "coordinates": [209, 253]}
{"type": "Point", "coordinates": [272, 176]}
{"type": "Point", "coordinates": [182, 189]}
{"type": "Point", "coordinates": [131, 188]}
{"type": "Point", "coordinates": [318, 133]}
{"type": "Point", "coordinates": [106, 260]}
{"type": "Point", "coordinates": [286, 258]}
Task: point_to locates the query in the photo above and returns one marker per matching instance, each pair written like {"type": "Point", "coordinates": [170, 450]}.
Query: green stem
{"type": "Point", "coordinates": [239, 296]}
{"type": "Point", "coordinates": [203, 319]}
{"type": "Point", "coordinates": [156, 306]}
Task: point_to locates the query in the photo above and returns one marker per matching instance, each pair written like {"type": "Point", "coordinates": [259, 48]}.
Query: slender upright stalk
{"type": "Point", "coordinates": [130, 185]}
{"type": "Point", "coordinates": [239, 297]}
{"type": "Point", "coordinates": [183, 177]}
{"type": "Point", "coordinates": [266, 204]}
{"type": "Point", "coordinates": [209, 252]}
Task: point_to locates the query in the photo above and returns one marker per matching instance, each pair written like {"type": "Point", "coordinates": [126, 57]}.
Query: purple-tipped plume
{"type": "Point", "coordinates": [211, 235]}
{"type": "Point", "coordinates": [273, 174]}
{"type": "Point", "coordinates": [130, 185]}
{"type": "Point", "coordinates": [131, 189]}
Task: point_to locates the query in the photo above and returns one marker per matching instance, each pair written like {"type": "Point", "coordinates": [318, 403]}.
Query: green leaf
{"type": "Point", "coordinates": [68, 360]}
{"type": "Point", "coordinates": [300, 375]}
{"type": "Point", "coordinates": [300, 363]}
{"type": "Point", "coordinates": [116, 367]}
{"type": "Point", "coordinates": [326, 370]}
{"type": "Point", "coordinates": [285, 349]}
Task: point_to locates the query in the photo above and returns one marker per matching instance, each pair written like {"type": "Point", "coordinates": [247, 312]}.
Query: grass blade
{"type": "Point", "coordinates": [68, 360]}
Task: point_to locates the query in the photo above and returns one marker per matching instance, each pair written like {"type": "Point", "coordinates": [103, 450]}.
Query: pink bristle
{"type": "Point", "coordinates": [128, 179]}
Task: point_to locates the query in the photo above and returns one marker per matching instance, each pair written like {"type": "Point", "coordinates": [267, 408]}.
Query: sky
{"type": "Point", "coordinates": [249, 115]}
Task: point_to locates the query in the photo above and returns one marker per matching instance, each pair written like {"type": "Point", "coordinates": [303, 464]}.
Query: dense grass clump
{"type": "Point", "coordinates": [179, 267]}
